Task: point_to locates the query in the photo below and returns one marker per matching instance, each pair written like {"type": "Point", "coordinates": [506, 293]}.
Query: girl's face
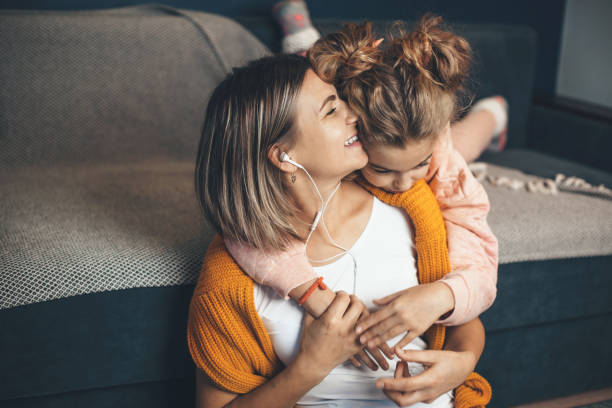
{"type": "Point", "coordinates": [325, 141]}
{"type": "Point", "coordinates": [395, 169]}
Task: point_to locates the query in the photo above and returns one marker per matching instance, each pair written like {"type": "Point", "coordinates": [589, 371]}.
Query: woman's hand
{"type": "Point", "coordinates": [412, 310]}
{"type": "Point", "coordinates": [444, 371]}
{"type": "Point", "coordinates": [330, 340]}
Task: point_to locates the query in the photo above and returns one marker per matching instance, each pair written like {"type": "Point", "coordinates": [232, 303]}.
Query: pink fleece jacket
{"type": "Point", "coordinates": [473, 249]}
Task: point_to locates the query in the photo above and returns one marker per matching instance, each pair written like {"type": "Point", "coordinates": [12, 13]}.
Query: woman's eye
{"type": "Point", "coordinates": [423, 164]}
{"type": "Point", "coordinates": [331, 111]}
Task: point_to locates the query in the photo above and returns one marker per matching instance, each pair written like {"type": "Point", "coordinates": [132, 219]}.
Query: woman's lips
{"type": "Point", "coordinates": [352, 141]}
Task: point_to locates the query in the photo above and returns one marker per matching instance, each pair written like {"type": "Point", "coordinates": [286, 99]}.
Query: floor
{"type": "Point", "coordinates": [590, 399]}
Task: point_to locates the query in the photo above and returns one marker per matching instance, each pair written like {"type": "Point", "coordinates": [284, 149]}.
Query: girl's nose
{"type": "Point", "coordinates": [351, 118]}
{"type": "Point", "coordinates": [402, 182]}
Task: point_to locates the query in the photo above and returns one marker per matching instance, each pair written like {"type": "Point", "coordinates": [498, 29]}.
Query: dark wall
{"type": "Point", "coordinates": [546, 17]}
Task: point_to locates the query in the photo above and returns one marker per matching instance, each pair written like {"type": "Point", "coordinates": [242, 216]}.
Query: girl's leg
{"type": "Point", "coordinates": [483, 127]}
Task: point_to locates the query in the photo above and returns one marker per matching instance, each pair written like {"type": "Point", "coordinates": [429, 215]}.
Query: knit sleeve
{"type": "Point", "coordinates": [225, 336]}
{"type": "Point", "coordinates": [473, 248]}
{"type": "Point", "coordinates": [283, 271]}
{"type": "Point", "coordinates": [222, 346]}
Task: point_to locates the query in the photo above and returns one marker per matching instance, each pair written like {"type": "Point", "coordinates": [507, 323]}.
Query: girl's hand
{"type": "Point", "coordinates": [378, 353]}
{"type": "Point", "coordinates": [330, 340]}
{"type": "Point", "coordinates": [412, 310]}
{"type": "Point", "coordinates": [444, 371]}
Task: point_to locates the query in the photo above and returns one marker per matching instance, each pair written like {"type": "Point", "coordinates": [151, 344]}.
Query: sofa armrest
{"type": "Point", "coordinates": [573, 130]}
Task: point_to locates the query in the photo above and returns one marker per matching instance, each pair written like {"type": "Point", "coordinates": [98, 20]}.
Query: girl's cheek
{"type": "Point", "coordinates": [422, 173]}
{"type": "Point", "coordinates": [373, 178]}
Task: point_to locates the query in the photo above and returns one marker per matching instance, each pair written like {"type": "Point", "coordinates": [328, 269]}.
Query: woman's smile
{"type": "Point", "coordinates": [353, 141]}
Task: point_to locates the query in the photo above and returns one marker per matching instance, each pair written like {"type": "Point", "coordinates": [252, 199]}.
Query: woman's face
{"type": "Point", "coordinates": [325, 140]}
{"type": "Point", "coordinates": [395, 169]}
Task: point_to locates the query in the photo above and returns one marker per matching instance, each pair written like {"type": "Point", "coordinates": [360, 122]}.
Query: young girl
{"type": "Point", "coordinates": [404, 94]}
{"type": "Point", "coordinates": [484, 127]}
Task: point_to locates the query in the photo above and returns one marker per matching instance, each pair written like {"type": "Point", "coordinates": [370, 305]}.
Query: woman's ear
{"type": "Point", "coordinates": [274, 155]}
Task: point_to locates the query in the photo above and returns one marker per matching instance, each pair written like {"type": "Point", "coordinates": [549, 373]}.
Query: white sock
{"type": "Point", "coordinates": [498, 107]}
{"type": "Point", "coordinates": [300, 40]}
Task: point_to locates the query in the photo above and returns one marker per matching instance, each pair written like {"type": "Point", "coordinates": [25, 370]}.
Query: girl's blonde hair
{"type": "Point", "coordinates": [405, 89]}
{"type": "Point", "coordinates": [241, 192]}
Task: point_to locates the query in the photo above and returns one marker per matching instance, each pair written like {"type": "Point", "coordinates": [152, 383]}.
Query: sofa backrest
{"type": "Point", "coordinates": [111, 85]}
{"type": "Point", "coordinates": [505, 58]}
{"type": "Point", "coordinates": [131, 83]}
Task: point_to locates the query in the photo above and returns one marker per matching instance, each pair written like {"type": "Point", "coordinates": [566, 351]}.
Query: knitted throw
{"type": "Point", "coordinates": [228, 341]}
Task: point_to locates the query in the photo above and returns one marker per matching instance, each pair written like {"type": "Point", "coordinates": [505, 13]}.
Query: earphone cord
{"type": "Point", "coordinates": [320, 217]}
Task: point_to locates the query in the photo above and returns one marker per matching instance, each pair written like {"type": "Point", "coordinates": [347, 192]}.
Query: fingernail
{"type": "Point", "coordinates": [359, 329]}
{"type": "Point", "coordinates": [371, 344]}
{"type": "Point", "coordinates": [362, 339]}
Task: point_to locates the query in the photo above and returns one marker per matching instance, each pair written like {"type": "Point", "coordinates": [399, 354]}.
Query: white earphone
{"type": "Point", "coordinates": [285, 158]}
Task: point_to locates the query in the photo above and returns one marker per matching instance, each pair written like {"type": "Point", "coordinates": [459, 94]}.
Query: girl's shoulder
{"type": "Point", "coordinates": [219, 270]}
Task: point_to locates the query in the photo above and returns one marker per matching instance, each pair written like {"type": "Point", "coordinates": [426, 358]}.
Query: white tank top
{"type": "Point", "coordinates": [385, 257]}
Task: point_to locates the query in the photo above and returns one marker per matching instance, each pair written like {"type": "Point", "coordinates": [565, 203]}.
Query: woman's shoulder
{"type": "Point", "coordinates": [359, 196]}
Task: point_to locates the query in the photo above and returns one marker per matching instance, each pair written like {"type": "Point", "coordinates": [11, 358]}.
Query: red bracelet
{"type": "Point", "coordinates": [317, 284]}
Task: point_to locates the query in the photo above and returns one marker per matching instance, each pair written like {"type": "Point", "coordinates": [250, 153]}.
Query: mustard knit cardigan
{"type": "Point", "coordinates": [228, 341]}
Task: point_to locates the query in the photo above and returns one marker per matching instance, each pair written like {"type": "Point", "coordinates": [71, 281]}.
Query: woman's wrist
{"type": "Point", "coordinates": [304, 367]}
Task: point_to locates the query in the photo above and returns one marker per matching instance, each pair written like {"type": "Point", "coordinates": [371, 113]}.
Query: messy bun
{"type": "Point", "coordinates": [352, 61]}
{"type": "Point", "coordinates": [343, 56]}
{"type": "Point", "coordinates": [430, 54]}
{"type": "Point", "coordinates": [402, 90]}
{"type": "Point", "coordinates": [433, 64]}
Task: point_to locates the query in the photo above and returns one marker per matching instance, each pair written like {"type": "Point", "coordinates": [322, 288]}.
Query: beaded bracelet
{"type": "Point", "coordinates": [317, 284]}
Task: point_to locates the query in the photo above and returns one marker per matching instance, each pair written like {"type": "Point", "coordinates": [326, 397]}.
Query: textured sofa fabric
{"type": "Point", "coordinates": [100, 124]}
{"type": "Point", "coordinates": [101, 239]}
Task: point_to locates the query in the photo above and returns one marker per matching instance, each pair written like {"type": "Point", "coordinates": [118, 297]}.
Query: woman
{"type": "Point", "coordinates": [237, 330]}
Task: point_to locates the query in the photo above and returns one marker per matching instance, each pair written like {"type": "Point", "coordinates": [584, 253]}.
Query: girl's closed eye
{"type": "Point", "coordinates": [331, 111]}
{"type": "Point", "coordinates": [380, 171]}
{"type": "Point", "coordinates": [425, 163]}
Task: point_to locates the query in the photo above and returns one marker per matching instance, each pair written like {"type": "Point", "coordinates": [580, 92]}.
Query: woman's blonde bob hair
{"type": "Point", "coordinates": [242, 193]}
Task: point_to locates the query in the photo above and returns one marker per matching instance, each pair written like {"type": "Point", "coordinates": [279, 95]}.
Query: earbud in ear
{"type": "Point", "coordinates": [284, 156]}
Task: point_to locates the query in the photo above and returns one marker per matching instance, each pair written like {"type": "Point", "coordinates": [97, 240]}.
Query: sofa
{"type": "Point", "coordinates": [101, 238]}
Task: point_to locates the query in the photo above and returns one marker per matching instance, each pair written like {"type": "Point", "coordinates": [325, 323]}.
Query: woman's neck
{"type": "Point", "coordinates": [308, 202]}
{"type": "Point", "coordinates": [345, 216]}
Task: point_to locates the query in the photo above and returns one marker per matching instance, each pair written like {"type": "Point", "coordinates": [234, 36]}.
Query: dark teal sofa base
{"type": "Point", "coordinates": [539, 343]}
{"type": "Point", "coordinates": [168, 393]}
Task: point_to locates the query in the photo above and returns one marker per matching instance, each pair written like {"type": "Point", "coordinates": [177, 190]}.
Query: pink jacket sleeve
{"type": "Point", "coordinates": [473, 249]}
{"type": "Point", "coordinates": [283, 271]}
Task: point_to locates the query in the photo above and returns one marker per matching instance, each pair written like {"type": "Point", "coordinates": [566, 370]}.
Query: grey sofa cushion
{"type": "Point", "coordinates": [100, 117]}
{"type": "Point", "coordinates": [532, 226]}
{"type": "Point", "coordinates": [113, 85]}
{"type": "Point", "coordinates": [77, 229]}
{"type": "Point", "coordinates": [73, 229]}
